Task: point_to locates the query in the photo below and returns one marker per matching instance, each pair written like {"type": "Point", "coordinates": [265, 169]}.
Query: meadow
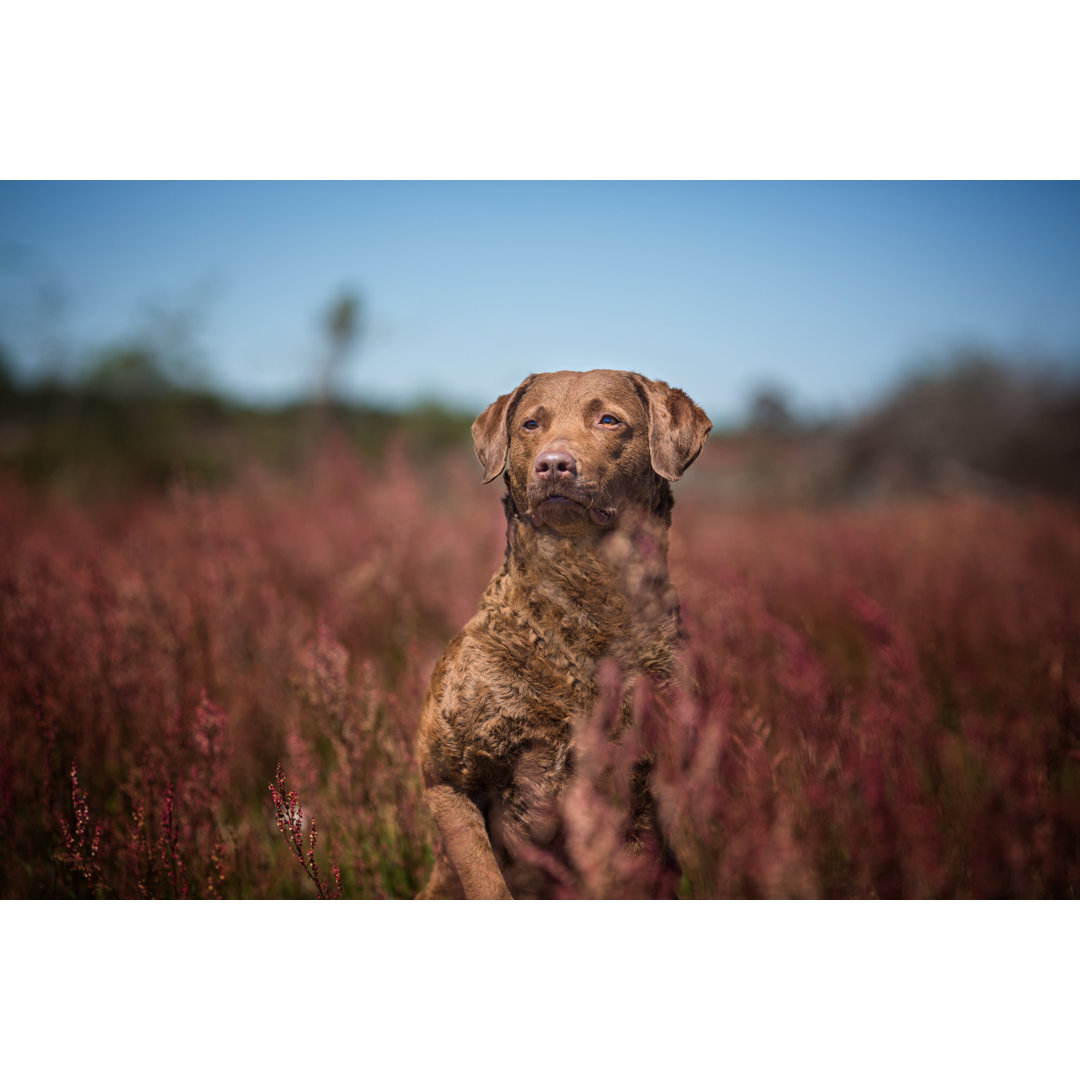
{"type": "Point", "coordinates": [211, 689]}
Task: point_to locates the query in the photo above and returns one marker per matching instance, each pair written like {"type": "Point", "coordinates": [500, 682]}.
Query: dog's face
{"type": "Point", "coordinates": [579, 448]}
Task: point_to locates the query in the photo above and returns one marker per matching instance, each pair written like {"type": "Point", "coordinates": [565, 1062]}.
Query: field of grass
{"type": "Point", "coordinates": [213, 691]}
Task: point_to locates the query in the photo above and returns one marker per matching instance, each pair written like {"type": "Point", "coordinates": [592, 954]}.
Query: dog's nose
{"type": "Point", "coordinates": [551, 464]}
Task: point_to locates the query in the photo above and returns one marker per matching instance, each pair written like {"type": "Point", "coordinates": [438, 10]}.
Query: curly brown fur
{"type": "Point", "coordinates": [587, 458]}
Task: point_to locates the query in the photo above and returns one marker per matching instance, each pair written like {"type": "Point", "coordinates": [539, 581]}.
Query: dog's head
{"type": "Point", "coordinates": [580, 447]}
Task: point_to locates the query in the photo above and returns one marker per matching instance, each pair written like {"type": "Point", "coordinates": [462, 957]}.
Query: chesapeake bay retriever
{"type": "Point", "coordinates": [587, 457]}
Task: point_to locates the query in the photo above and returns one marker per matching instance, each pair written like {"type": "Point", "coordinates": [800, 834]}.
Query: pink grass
{"type": "Point", "coordinates": [878, 702]}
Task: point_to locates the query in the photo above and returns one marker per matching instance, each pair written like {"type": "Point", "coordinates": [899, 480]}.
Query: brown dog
{"type": "Point", "coordinates": [587, 457]}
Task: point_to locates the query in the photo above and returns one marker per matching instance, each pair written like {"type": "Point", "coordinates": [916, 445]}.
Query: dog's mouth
{"type": "Point", "coordinates": [561, 511]}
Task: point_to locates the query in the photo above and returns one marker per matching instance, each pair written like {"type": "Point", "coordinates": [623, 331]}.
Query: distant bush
{"type": "Point", "coordinates": [979, 421]}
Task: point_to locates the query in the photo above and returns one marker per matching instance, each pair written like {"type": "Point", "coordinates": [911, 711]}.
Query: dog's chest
{"type": "Point", "coordinates": [526, 676]}
{"type": "Point", "coordinates": [521, 737]}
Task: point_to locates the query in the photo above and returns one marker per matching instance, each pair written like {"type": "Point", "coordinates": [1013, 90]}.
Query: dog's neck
{"type": "Point", "coordinates": [615, 578]}
{"type": "Point", "coordinates": [653, 517]}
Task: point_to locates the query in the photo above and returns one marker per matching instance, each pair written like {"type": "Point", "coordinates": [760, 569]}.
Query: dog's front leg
{"type": "Point", "coordinates": [467, 843]}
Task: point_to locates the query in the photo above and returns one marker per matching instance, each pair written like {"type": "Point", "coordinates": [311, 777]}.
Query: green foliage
{"type": "Point", "coordinates": [127, 427]}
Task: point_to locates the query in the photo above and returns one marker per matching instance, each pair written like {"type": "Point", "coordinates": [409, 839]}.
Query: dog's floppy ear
{"type": "Point", "coordinates": [677, 427]}
{"type": "Point", "coordinates": [491, 431]}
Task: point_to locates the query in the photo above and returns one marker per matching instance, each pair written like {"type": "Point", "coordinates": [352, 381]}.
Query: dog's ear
{"type": "Point", "coordinates": [491, 431]}
{"type": "Point", "coordinates": [677, 427]}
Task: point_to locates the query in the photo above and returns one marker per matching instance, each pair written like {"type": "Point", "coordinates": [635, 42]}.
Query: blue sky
{"type": "Point", "coordinates": [829, 291]}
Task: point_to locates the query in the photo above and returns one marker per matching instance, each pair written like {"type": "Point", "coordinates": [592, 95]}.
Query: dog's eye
{"type": "Point", "coordinates": [530, 425]}
{"type": "Point", "coordinates": [610, 421]}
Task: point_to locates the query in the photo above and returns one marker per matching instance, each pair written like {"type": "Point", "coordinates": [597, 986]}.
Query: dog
{"type": "Point", "coordinates": [587, 459]}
